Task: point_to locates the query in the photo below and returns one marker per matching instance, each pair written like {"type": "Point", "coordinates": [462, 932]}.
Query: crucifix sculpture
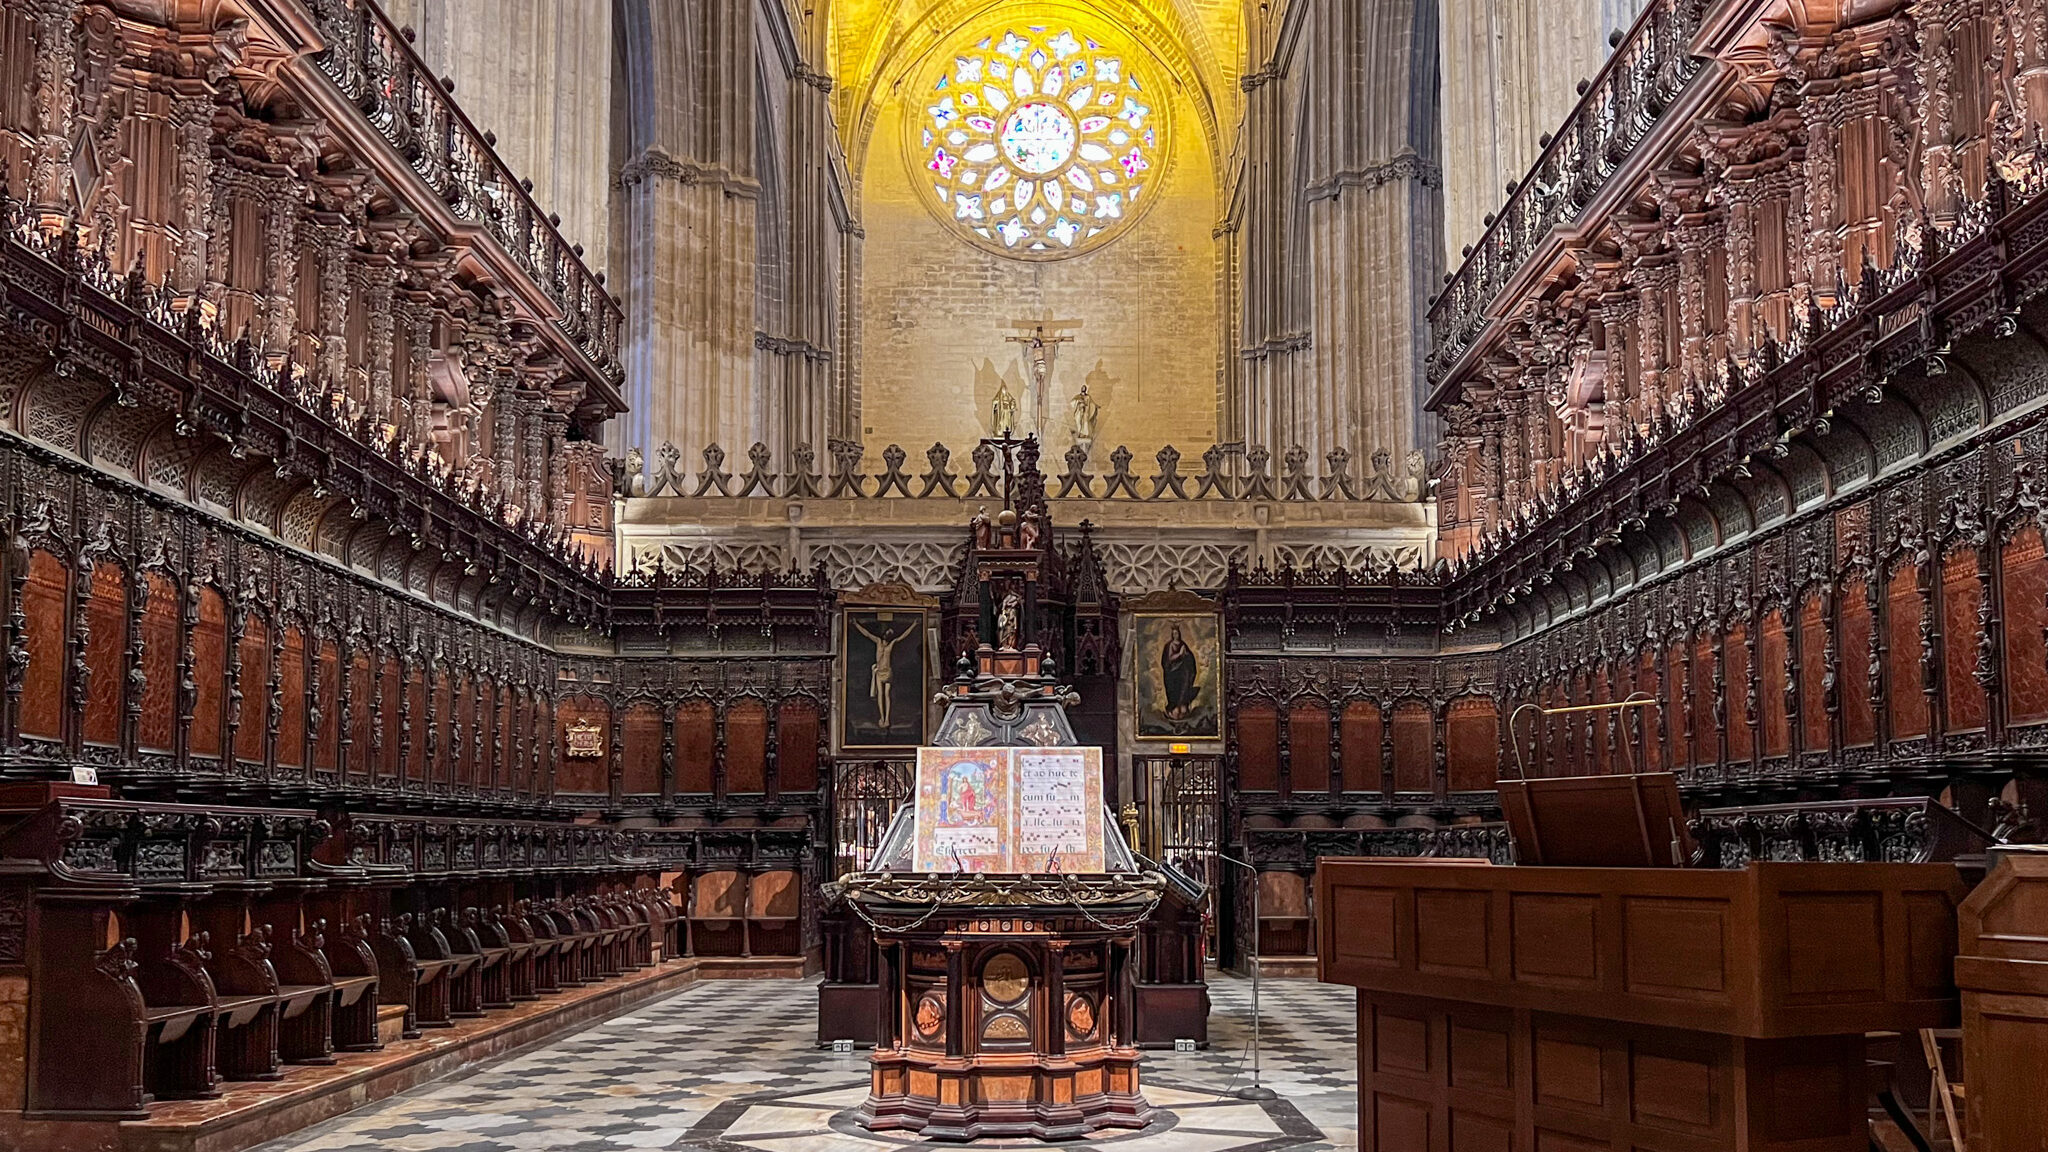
{"type": "Point", "coordinates": [1007, 445]}
{"type": "Point", "coordinates": [1040, 342]}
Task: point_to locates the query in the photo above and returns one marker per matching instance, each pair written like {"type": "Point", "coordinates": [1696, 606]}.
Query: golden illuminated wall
{"type": "Point", "coordinates": [936, 306]}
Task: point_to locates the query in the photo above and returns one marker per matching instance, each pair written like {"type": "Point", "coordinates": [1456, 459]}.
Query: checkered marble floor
{"type": "Point", "coordinates": [733, 1066]}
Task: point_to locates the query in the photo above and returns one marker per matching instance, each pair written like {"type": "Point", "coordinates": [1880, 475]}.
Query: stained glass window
{"type": "Point", "coordinates": [1037, 141]}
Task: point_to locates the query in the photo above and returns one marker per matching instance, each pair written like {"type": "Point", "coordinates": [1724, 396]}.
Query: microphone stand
{"type": "Point", "coordinates": [1257, 1091]}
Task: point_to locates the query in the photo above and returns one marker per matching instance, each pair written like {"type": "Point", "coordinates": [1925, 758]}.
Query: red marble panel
{"type": "Point", "coordinates": [209, 674]}
{"type": "Point", "coordinates": [1650, 750]}
{"type": "Point", "coordinates": [1680, 754]}
{"type": "Point", "coordinates": [327, 741]}
{"type": "Point", "coordinates": [543, 763]}
{"type": "Point", "coordinates": [796, 746]}
{"type": "Point", "coordinates": [1414, 747]}
{"type": "Point", "coordinates": [498, 718]}
{"type": "Point", "coordinates": [393, 690]}
{"type": "Point", "coordinates": [696, 746]}
{"type": "Point", "coordinates": [440, 725]}
{"type": "Point", "coordinates": [1813, 675]}
{"type": "Point", "coordinates": [1358, 735]}
{"type": "Point", "coordinates": [252, 721]}
{"type": "Point", "coordinates": [1258, 747]}
{"type": "Point", "coordinates": [640, 735]}
{"type": "Point", "coordinates": [44, 600]}
{"type": "Point", "coordinates": [1904, 698]}
{"type": "Point", "coordinates": [1735, 661]}
{"type": "Point", "coordinates": [1706, 737]}
{"type": "Point", "coordinates": [1472, 743]}
{"type": "Point", "coordinates": [291, 717]}
{"type": "Point", "coordinates": [106, 654]}
{"type": "Point", "coordinates": [1593, 725]}
{"type": "Point", "coordinates": [516, 745]}
{"type": "Point", "coordinates": [1308, 746]}
{"type": "Point", "coordinates": [415, 764]}
{"type": "Point", "coordinates": [464, 692]}
{"type": "Point", "coordinates": [746, 746]}
{"type": "Point", "coordinates": [362, 682]}
{"type": "Point", "coordinates": [517, 769]}
{"type": "Point", "coordinates": [1962, 594]}
{"type": "Point", "coordinates": [160, 651]}
{"type": "Point", "coordinates": [2024, 579]}
{"type": "Point", "coordinates": [1852, 646]}
{"type": "Point", "coordinates": [1770, 697]}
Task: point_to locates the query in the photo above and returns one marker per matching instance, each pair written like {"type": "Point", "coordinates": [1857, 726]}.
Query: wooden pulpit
{"type": "Point", "coordinates": [1532, 1009]}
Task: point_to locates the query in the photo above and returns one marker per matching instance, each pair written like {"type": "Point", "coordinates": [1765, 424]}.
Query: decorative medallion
{"type": "Point", "coordinates": [1080, 1016]}
{"type": "Point", "coordinates": [931, 1016]}
{"type": "Point", "coordinates": [1005, 979]}
{"type": "Point", "coordinates": [585, 740]}
{"type": "Point", "coordinates": [1008, 1026]}
{"type": "Point", "coordinates": [1038, 141]}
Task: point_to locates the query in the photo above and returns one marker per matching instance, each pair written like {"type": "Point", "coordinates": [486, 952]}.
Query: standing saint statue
{"type": "Point", "coordinates": [883, 673]}
{"type": "Point", "coordinates": [1003, 413]}
{"type": "Point", "coordinates": [1178, 675]}
{"type": "Point", "coordinates": [1006, 620]}
{"type": "Point", "coordinates": [1081, 417]}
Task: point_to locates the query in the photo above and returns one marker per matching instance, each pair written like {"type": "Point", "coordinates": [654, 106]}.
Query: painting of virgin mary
{"type": "Point", "coordinates": [1179, 676]}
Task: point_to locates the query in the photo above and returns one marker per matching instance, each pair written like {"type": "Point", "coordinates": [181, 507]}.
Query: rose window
{"type": "Point", "coordinates": [1038, 142]}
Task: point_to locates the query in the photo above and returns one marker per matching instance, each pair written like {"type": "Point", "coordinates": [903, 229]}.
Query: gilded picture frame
{"type": "Point", "coordinates": [1177, 675]}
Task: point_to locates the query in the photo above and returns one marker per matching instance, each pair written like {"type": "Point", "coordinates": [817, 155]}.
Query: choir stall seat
{"type": "Point", "coordinates": [718, 914]}
{"type": "Point", "coordinates": [465, 977]}
{"type": "Point", "coordinates": [415, 977]}
{"type": "Point", "coordinates": [176, 947]}
{"type": "Point", "coordinates": [181, 1012]}
{"type": "Point", "coordinates": [774, 907]}
{"type": "Point", "coordinates": [1286, 923]}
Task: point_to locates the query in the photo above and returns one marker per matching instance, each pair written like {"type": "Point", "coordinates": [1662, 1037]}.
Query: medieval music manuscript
{"type": "Point", "coordinates": [1009, 810]}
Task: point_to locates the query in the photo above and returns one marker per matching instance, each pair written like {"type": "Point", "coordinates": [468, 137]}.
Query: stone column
{"type": "Point", "coordinates": [1340, 198]}
{"type": "Point", "coordinates": [686, 245]}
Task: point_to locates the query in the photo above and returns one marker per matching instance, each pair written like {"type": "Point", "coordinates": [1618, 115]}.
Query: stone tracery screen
{"type": "Point", "coordinates": [1038, 141]}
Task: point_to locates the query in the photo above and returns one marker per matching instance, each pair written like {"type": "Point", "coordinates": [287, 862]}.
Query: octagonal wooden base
{"type": "Point", "coordinates": [1046, 1097]}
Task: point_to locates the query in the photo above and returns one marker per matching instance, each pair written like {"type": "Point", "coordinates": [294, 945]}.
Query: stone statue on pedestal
{"type": "Point", "coordinates": [1082, 414]}
{"type": "Point", "coordinates": [1003, 413]}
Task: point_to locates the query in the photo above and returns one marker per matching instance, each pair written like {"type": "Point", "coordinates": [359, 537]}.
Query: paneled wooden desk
{"type": "Point", "coordinates": [1655, 1009]}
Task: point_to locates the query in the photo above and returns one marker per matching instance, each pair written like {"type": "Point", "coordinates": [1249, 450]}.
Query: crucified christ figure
{"type": "Point", "coordinates": [883, 672]}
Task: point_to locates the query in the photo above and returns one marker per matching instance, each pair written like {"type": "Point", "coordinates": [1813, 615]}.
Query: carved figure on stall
{"type": "Point", "coordinates": [1006, 620]}
{"type": "Point", "coordinates": [979, 526]}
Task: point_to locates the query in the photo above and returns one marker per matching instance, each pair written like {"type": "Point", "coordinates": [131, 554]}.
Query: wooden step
{"type": "Point", "coordinates": [390, 1023]}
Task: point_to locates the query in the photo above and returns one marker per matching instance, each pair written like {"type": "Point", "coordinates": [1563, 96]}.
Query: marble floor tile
{"type": "Point", "coordinates": [732, 1066]}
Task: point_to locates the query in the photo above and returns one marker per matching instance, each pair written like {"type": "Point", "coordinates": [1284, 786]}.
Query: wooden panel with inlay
{"type": "Point", "coordinates": [1773, 950]}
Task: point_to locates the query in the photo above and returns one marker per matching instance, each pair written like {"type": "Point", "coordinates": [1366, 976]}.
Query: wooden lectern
{"type": "Point", "coordinates": [1630, 1009]}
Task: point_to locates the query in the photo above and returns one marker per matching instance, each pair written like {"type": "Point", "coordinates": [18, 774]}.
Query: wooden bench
{"type": "Point", "coordinates": [548, 947]}
{"type": "Point", "coordinates": [254, 938]}
{"type": "Point", "coordinates": [417, 978]}
{"type": "Point", "coordinates": [353, 965]}
{"type": "Point", "coordinates": [180, 1010]}
{"type": "Point", "coordinates": [523, 967]}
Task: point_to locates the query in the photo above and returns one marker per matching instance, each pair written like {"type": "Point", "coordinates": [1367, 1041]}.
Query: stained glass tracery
{"type": "Point", "coordinates": [1039, 142]}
